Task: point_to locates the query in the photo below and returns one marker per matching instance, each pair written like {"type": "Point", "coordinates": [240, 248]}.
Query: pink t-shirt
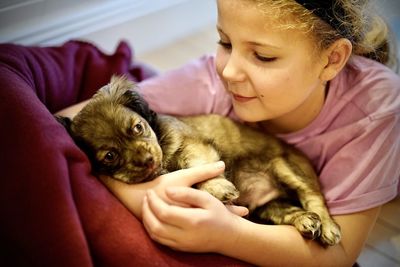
{"type": "Point", "coordinates": [354, 143]}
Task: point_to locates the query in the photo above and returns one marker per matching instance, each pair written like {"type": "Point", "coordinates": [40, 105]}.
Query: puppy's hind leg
{"type": "Point", "coordinates": [282, 212]}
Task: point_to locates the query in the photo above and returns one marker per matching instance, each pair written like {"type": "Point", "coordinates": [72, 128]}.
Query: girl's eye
{"type": "Point", "coordinates": [225, 45]}
{"type": "Point", "coordinates": [138, 128]}
{"type": "Point", "coordinates": [264, 59]}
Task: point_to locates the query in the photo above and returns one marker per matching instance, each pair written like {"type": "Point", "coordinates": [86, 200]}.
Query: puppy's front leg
{"type": "Point", "coordinates": [195, 154]}
{"type": "Point", "coordinates": [220, 188]}
{"type": "Point", "coordinates": [283, 212]}
{"type": "Point", "coordinates": [295, 176]}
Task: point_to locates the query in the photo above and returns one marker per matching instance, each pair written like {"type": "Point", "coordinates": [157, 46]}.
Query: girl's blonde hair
{"type": "Point", "coordinates": [367, 31]}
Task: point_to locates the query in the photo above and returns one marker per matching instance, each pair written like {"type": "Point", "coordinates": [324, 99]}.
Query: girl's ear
{"type": "Point", "coordinates": [336, 57]}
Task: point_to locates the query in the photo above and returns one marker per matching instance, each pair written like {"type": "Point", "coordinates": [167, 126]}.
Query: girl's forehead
{"type": "Point", "coordinates": [245, 14]}
{"type": "Point", "coordinates": [240, 21]}
{"type": "Point", "coordinates": [267, 16]}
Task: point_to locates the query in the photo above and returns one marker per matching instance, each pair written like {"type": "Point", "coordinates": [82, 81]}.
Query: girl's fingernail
{"type": "Point", "coordinates": [220, 165]}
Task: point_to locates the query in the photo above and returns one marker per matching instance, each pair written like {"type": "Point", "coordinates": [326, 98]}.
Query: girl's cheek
{"type": "Point", "coordinates": [221, 59]}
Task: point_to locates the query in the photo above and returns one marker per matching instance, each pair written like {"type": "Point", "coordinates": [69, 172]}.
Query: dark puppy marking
{"type": "Point", "coordinates": [126, 140]}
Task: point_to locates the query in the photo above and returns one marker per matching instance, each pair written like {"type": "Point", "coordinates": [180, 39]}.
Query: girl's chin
{"type": "Point", "coordinates": [247, 116]}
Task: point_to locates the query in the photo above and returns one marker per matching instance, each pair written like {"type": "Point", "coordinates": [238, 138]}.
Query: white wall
{"type": "Point", "coordinates": [159, 28]}
{"type": "Point", "coordinates": [146, 24]}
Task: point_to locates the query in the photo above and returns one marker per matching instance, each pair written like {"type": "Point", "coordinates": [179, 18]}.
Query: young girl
{"type": "Point", "coordinates": [311, 72]}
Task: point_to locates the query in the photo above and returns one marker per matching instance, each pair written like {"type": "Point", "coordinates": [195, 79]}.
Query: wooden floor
{"type": "Point", "coordinates": [383, 246]}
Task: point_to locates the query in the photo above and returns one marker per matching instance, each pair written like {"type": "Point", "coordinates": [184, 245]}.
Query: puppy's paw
{"type": "Point", "coordinates": [220, 188]}
{"type": "Point", "coordinates": [331, 233]}
{"type": "Point", "coordinates": [309, 225]}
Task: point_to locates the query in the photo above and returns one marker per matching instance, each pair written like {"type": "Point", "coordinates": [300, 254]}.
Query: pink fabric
{"type": "Point", "coordinates": [53, 212]}
{"type": "Point", "coordinates": [354, 143]}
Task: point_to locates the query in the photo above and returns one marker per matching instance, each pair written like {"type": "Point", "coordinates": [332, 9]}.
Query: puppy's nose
{"type": "Point", "coordinates": [148, 160]}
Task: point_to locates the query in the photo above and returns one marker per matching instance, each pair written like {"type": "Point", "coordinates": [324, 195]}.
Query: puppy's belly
{"type": "Point", "coordinates": [256, 190]}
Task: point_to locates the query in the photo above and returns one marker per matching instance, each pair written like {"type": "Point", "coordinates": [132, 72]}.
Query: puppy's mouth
{"type": "Point", "coordinates": [140, 174]}
{"type": "Point", "coordinates": [151, 172]}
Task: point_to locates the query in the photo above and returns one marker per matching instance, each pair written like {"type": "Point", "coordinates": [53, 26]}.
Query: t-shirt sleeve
{"type": "Point", "coordinates": [192, 89]}
{"type": "Point", "coordinates": [365, 172]}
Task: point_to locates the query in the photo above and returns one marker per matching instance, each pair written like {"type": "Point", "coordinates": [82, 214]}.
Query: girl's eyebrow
{"type": "Point", "coordinates": [252, 43]}
{"type": "Point", "coordinates": [263, 45]}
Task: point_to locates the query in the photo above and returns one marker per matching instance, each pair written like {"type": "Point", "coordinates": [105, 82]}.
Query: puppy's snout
{"type": "Point", "coordinates": [148, 160]}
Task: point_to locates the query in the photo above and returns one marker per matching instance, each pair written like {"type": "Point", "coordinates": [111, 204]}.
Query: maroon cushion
{"type": "Point", "coordinates": [53, 211]}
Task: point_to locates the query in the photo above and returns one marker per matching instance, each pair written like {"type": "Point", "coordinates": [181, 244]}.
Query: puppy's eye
{"type": "Point", "coordinates": [110, 157]}
{"type": "Point", "coordinates": [138, 128]}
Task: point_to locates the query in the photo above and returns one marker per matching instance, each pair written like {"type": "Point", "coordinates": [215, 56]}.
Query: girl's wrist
{"type": "Point", "coordinates": [232, 237]}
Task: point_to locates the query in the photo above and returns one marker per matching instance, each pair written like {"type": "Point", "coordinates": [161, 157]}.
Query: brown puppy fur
{"type": "Point", "coordinates": [126, 140]}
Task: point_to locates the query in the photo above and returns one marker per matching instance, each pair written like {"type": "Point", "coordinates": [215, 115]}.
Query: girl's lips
{"type": "Point", "coordinates": [242, 99]}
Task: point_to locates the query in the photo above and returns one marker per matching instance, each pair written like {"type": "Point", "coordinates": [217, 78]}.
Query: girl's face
{"type": "Point", "coordinates": [272, 75]}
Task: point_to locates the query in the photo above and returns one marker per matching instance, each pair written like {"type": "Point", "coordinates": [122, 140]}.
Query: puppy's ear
{"type": "Point", "coordinates": [119, 85]}
{"type": "Point", "coordinates": [65, 121]}
{"type": "Point", "coordinates": [123, 91]}
{"type": "Point", "coordinates": [135, 102]}
{"type": "Point", "coordinates": [121, 81]}
{"type": "Point", "coordinates": [116, 88]}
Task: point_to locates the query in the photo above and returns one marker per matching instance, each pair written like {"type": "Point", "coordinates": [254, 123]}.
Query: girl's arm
{"type": "Point", "coordinates": [284, 246]}
{"type": "Point", "coordinates": [209, 227]}
{"type": "Point", "coordinates": [132, 195]}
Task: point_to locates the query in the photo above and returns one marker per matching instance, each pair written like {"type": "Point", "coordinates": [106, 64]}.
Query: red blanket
{"type": "Point", "coordinates": [53, 212]}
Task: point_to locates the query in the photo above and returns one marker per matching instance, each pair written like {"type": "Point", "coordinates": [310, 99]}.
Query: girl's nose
{"type": "Point", "coordinates": [233, 70]}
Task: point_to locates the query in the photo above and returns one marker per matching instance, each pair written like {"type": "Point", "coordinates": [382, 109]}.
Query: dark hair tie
{"type": "Point", "coordinates": [330, 12]}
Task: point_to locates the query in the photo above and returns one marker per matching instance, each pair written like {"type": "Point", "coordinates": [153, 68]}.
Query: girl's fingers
{"type": "Point", "coordinates": [158, 230]}
{"type": "Point", "coordinates": [190, 196]}
{"type": "Point", "coordinates": [198, 174]}
{"type": "Point", "coordinates": [238, 210]}
{"type": "Point", "coordinates": [172, 215]}
{"type": "Point", "coordinates": [201, 199]}
{"type": "Point", "coordinates": [161, 232]}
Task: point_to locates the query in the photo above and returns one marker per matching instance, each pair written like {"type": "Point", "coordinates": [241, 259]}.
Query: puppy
{"type": "Point", "coordinates": [126, 140]}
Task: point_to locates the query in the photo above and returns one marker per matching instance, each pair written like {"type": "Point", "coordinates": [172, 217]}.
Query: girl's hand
{"type": "Point", "coordinates": [199, 223]}
{"type": "Point", "coordinates": [131, 195]}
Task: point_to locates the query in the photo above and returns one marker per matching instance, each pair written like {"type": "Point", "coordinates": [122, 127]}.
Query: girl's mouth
{"type": "Point", "coordinates": [242, 99]}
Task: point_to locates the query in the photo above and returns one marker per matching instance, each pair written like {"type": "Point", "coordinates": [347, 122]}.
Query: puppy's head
{"type": "Point", "coordinates": [116, 129]}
